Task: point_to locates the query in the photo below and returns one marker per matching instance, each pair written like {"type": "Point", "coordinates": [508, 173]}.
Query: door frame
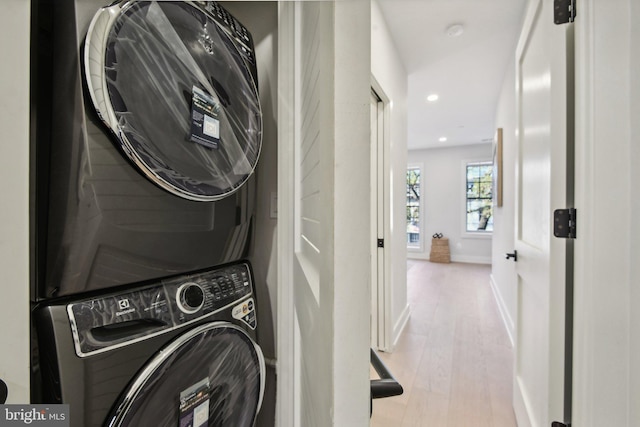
{"type": "Point", "coordinates": [288, 367]}
{"type": "Point", "coordinates": [606, 346]}
{"type": "Point", "coordinates": [383, 312]}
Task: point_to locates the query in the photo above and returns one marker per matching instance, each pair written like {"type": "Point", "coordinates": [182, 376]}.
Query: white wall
{"type": "Point", "coordinates": [634, 165]}
{"type": "Point", "coordinates": [503, 271]}
{"type": "Point", "coordinates": [14, 187]}
{"type": "Point", "coordinates": [351, 114]}
{"type": "Point", "coordinates": [443, 182]}
{"type": "Point", "coordinates": [389, 72]}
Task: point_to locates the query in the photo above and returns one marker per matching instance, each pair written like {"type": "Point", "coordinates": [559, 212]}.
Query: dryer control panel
{"type": "Point", "coordinates": [102, 323]}
{"type": "Point", "coordinates": [234, 28]}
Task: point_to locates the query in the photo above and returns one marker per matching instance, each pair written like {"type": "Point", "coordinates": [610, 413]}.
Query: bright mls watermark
{"type": "Point", "coordinates": [34, 415]}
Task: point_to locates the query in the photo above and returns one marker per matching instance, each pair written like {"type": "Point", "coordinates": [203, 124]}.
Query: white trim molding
{"type": "Point", "coordinates": [422, 212]}
{"type": "Point", "coordinates": [509, 325]}
{"type": "Point", "coordinates": [287, 400]}
{"type": "Point", "coordinates": [400, 326]}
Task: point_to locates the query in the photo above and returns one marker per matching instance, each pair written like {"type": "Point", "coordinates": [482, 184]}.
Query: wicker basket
{"type": "Point", "coordinates": [440, 250]}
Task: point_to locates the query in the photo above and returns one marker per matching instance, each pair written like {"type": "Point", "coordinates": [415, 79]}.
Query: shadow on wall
{"type": "Point", "coordinates": [261, 18]}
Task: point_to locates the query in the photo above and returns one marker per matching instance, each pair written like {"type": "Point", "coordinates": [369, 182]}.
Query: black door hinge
{"type": "Point", "coordinates": [564, 11]}
{"type": "Point", "coordinates": [565, 223]}
{"type": "Point", "coordinates": [559, 424]}
{"type": "Point", "coordinates": [381, 243]}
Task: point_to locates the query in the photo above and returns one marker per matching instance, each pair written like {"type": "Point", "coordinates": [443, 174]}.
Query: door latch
{"type": "Point", "coordinates": [513, 255]}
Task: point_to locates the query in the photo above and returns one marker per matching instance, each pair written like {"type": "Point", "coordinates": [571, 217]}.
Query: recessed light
{"type": "Point", "coordinates": [443, 139]}
{"type": "Point", "coordinates": [433, 97]}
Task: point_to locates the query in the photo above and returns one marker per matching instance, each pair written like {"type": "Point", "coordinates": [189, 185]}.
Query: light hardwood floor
{"type": "Point", "coordinates": [454, 359]}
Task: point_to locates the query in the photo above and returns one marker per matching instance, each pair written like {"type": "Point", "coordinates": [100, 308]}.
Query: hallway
{"type": "Point", "coordinates": [454, 358]}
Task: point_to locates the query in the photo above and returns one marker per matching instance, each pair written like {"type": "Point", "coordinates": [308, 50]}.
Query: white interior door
{"type": "Point", "coordinates": [323, 224]}
{"type": "Point", "coordinates": [304, 191]}
{"type": "Point", "coordinates": [313, 193]}
{"type": "Point", "coordinates": [544, 100]}
{"type": "Point", "coordinates": [378, 317]}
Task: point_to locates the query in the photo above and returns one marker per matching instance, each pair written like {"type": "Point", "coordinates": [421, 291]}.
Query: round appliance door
{"type": "Point", "coordinates": [174, 90]}
{"type": "Point", "coordinates": [211, 376]}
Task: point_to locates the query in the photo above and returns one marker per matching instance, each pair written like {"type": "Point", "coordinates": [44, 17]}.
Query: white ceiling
{"type": "Point", "coordinates": [465, 71]}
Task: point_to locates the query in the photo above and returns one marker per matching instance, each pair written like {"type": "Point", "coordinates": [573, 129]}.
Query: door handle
{"type": "Point", "coordinates": [513, 255]}
{"type": "Point", "coordinates": [386, 386]}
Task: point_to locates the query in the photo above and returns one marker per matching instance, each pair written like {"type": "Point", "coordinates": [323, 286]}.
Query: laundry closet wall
{"type": "Point", "coordinates": [261, 19]}
{"type": "Point", "coordinates": [14, 187]}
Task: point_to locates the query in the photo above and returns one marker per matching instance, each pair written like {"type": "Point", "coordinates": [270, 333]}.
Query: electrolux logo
{"type": "Point", "coordinates": [125, 307]}
{"type": "Point", "coordinates": [36, 415]}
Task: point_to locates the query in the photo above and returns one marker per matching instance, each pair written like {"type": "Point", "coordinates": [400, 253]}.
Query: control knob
{"type": "Point", "coordinates": [190, 298]}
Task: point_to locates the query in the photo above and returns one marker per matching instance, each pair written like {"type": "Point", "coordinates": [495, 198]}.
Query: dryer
{"type": "Point", "coordinates": [177, 352]}
{"type": "Point", "coordinates": [146, 132]}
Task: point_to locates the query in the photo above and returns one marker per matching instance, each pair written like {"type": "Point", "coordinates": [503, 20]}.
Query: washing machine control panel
{"type": "Point", "coordinates": [202, 294]}
{"type": "Point", "coordinates": [101, 323]}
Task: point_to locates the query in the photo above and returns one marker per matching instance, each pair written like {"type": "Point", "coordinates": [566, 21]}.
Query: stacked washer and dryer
{"type": "Point", "coordinates": [146, 132]}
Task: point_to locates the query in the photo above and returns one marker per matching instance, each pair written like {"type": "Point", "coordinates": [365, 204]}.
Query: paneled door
{"type": "Point", "coordinates": [323, 213]}
{"type": "Point", "coordinates": [544, 103]}
{"type": "Point", "coordinates": [378, 292]}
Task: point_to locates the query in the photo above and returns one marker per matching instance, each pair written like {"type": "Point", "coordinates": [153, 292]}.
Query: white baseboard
{"type": "Point", "coordinates": [471, 259]}
{"type": "Point", "coordinates": [400, 325]}
{"type": "Point", "coordinates": [504, 313]}
{"type": "Point", "coordinates": [467, 259]}
{"type": "Point", "coordinates": [521, 406]}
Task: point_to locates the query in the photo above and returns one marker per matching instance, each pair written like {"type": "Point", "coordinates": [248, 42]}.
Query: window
{"type": "Point", "coordinates": [413, 207]}
{"type": "Point", "coordinates": [479, 204]}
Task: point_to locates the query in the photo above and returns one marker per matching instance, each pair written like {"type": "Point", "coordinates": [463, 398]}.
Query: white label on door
{"type": "Point", "coordinates": [211, 127]}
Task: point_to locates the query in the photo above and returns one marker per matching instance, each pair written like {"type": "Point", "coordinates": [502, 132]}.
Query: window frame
{"type": "Point", "coordinates": [419, 247]}
{"type": "Point", "coordinates": [474, 234]}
